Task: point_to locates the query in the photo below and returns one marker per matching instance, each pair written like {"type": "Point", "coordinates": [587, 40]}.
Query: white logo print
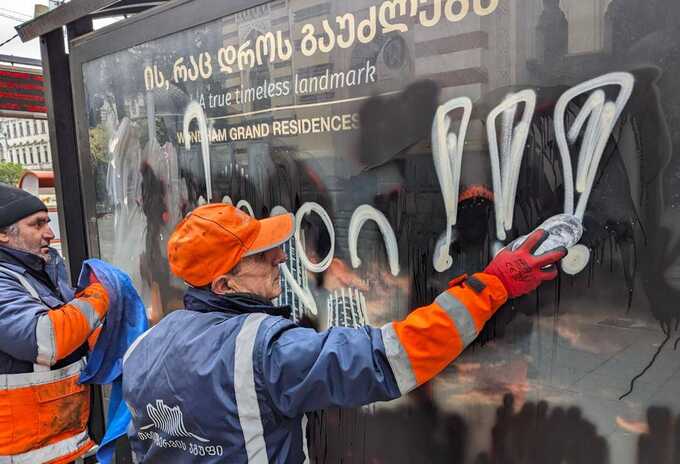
{"type": "Point", "coordinates": [170, 420]}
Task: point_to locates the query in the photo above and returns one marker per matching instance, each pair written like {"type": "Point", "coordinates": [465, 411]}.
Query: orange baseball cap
{"type": "Point", "coordinates": [213, 238]}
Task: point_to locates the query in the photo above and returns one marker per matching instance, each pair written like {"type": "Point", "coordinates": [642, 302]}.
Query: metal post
{"type": "Point", "coordinates": [68, 185]}
{"type": "Point", "coordinates": [64, 149]}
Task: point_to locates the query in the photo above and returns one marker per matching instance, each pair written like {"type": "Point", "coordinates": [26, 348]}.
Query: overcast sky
{"type": "Point", "coordinates": [23, 9]}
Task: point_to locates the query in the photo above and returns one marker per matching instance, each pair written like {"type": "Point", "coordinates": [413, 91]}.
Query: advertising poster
{"type": "Point", "coordinates": [412, 140]}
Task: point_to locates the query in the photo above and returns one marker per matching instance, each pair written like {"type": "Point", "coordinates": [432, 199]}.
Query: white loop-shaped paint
{"type": "Point", "coordinates": [305, 209]}
{"type": "Point", "coordinates": [447, 154]}
{"type": "Point", "coordinates": [278, 210]}
{"type": "Point", "coordinates": [227, 200]}
{"type": "Point", "coordinates": [576, 260]}
{"type": "Point", "coordinates": [193, 111]}
{"type": "Point", "coordinates": [303, 294]}
{"type": "Point", "coordinates": [602, 117]}
{"type": "Point", "coordinates": [365, 213]}
{"type": "Point", "coordinates": [506, 160]}
{"type": "Point", "coordinates": [608, 122]}
{"type": "Point", "coordinates": [592, 112]}
{"type": "Point", "coordinates": [243, 204]}
{"type": "Point", "coordinates": [301, 290]}
{"type": "Point", "coordinates": [442, 259]}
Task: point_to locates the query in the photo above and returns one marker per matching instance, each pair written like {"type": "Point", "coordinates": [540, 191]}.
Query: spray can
{"type": "Point", "coordinates": [564, 230]}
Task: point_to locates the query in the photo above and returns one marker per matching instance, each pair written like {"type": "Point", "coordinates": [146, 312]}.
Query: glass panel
{"type": "Point", "coordinates": [349, 106]}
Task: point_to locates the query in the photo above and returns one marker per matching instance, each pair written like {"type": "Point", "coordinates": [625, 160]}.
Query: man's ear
{"type": "Point", "coordinates": [4, 238]}
{"type": "Point", "coordinates": [224, 284]}
{"type": "Point", "coordinates": [220, 286]}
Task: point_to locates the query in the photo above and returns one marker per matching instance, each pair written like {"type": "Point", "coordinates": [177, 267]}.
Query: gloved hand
{"type": "Point", "coordinates": [93, 278]}
{"type": "Point", "coordinates": [97, 296]}
{"type": "Point", "coordinates": [521, 271]}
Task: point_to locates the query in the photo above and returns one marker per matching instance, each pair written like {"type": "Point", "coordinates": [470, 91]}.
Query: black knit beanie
{"type": "Point", "coordinates": [16, 204]}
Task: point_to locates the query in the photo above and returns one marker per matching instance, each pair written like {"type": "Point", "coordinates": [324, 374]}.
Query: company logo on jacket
{"type": "Point", "coordinates": [169, 420]}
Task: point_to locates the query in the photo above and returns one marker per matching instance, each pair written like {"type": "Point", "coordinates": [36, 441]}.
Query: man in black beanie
{"type": "Point", "coordinates": [15, 205]}
{"type": "Point", "coordinates": [44, 330]}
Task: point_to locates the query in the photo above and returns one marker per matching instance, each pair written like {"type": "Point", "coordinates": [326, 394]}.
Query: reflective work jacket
{"type": "Point", "coordinates": [225, 381]}
{"type": "Point", "coordinates": [43, 412]}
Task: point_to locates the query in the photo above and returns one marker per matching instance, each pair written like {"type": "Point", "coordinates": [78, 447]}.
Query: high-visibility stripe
{"type": "Point", "coordinates": [481, 306]}
{"type": "Point", "coordinates": [430, 339]}
{"type": "Point", "coordinates": [43, 361]}
{"type": "Point", "coordinates": [134, 344]}
{"type": "Point", "coordinates": [44, 336]}
{"type": "Point", "coordinates": [51, 452]}
{"type": "Point", "coordinates": [398, 360]}
{"type": "Point", "coordinates": [97, 297]}
{"type": "Point", "coordinates": [244, 388]}
{"type": "Point", "coordinates": [22, 280]}
{"type": "Point", "coordinates": [460, 316]}
{"type": "Point", "coordinates": [70, 329]}
{"type": "Point", "coordinates": [88, 311]}
{"type": "Point", "coordinates": [29, 379]}
{"type": "Point", "coordinates": [305, 447]}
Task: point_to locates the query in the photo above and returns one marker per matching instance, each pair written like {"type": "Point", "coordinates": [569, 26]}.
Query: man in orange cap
{"type": "Point", "coordinates": [230, 378]}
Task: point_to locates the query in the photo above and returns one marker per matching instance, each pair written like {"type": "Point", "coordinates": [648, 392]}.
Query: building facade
{"type": "Point", "coordinates": [25, 142]}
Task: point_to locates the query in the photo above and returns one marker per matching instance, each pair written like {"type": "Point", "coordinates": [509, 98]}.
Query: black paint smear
{"type": "Point", "coordinates": [153, 268]}
{"type": "Point", "coordinates": [538, 434]}
{"type": "Point", "coordinates": [422, 434]}
{"type": "Point", "coordinates": [661, 443]}
{"type": "Point", "coordinates": [649, 365]}
{"type": "Point", "coordinates": [390, 125]}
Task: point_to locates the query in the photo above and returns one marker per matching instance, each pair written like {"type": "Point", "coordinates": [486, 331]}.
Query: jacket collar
{"type": "Point", "coordinates": [22, 259]}
{"type": "Point", "coordinates": [203, 300]}
{"type": "Point", "coordinates": [27, 263]}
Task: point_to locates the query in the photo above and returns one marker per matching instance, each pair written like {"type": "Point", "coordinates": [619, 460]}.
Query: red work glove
{"type": "Point", "coordinates": [520, 271]}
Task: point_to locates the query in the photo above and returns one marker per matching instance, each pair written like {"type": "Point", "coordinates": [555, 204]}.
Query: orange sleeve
{"type": "Point", "coordinates": [431, 337]}
{"type": "Point", "coordinates": [94, 336]}
{"type": "Point", "coordinates": [61, 331]}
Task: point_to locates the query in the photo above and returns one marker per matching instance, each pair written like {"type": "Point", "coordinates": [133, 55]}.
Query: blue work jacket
{"type": "Point", "coordinates": [229, 379]}
{"type": "Point", "coordinates": [19, 310]}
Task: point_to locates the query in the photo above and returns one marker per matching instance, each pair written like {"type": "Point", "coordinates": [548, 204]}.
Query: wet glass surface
{"type": "Point", "coordinates": [412, 143]}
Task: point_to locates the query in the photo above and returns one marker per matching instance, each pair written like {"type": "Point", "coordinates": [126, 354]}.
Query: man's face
{"type": "Point", "coordinates": [259, 274]}
{"type": "Point", "coordinates": [32, 233]}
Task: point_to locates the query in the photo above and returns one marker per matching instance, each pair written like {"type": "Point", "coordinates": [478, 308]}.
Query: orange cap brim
{"type": "Point", "coordinates": [274, 231]}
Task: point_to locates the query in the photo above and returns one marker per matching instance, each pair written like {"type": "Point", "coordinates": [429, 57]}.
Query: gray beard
{"type": "Point", "coordinates": [22, 247]}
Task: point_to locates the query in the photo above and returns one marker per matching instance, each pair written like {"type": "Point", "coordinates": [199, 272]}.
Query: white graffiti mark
{"type": "Point", "coordinates": [278, 210]}
{"type": "Point", "coordinates": [506, 162]}
{"type": "Point", "coordinates": [347, 308]}
{"type": "Point", "coordinates": [303, 294]}
{"type": "Point", "coordinates": [298, 283]}
{"type": "Point", "coordinates": [602, 116]}
{"type": "Point", "coordinates": [362, 214]}
{"type": "Point", "coordinates": [305, 209]}
{"type": "Point", "coordinates": [576, 260]}
{"type": "Point", "coordinates": [227, 200]}
{"type": "Point", "coordinates": [596, 119]}
{"type": "Point", "coordinates": [442, 260]}
{"type": "Point", "coordinates": [447, 153]}
{"type": "Point", "coordinates": [195, 111]}
{"type": "Point", "coordinates": [243, 204]}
